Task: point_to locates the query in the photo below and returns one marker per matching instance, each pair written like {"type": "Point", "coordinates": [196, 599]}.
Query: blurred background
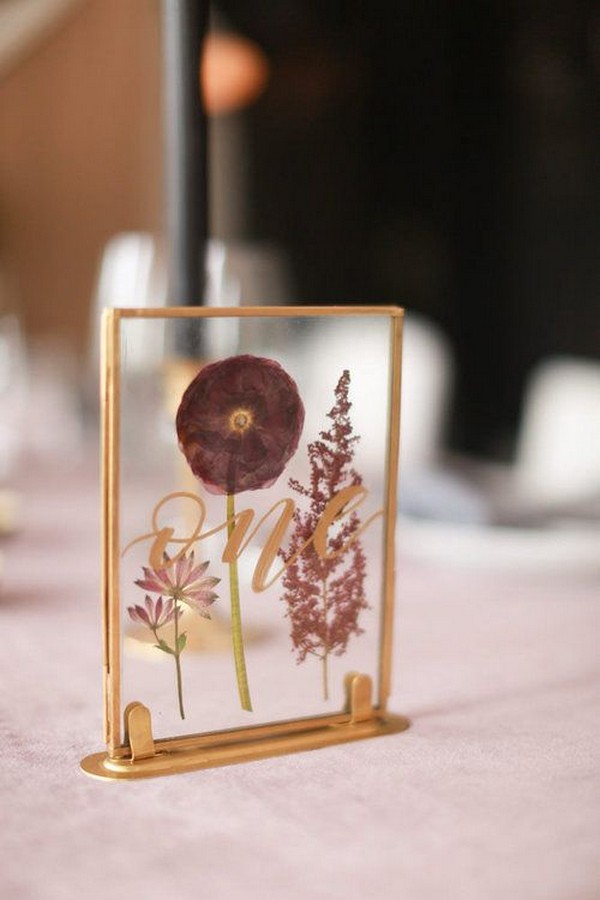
{"type": "Point", "coordinates": [441, 156]}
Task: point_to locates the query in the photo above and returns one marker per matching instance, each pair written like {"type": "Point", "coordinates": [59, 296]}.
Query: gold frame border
{"type": "Point", "coordinates": [110, 444]}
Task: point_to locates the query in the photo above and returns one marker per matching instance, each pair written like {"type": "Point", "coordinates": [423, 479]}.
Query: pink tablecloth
{"type": "Point", "coordinates": [493, 793]}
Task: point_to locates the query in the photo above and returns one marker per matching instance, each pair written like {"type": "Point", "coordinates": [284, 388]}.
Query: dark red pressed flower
{"type": "Point", "coordinates": [239, 423]}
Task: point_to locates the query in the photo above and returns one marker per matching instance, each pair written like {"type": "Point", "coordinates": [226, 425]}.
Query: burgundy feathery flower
{"type": "Point", "coordinates": [155, 615]}
{"type": "Point", "coordinates": [182, 582]}
{"type": "Point", "coordinates": [325, 597]}
{"type": "Point", "coordinates": [239, 423]}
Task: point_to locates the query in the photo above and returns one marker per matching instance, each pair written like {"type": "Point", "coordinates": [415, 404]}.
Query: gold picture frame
{"type": "Point", "coordinates": [131, 750]}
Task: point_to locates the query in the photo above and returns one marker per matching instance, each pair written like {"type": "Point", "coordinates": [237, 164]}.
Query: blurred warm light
{"type": "Point", "coordinates": [233, 73]}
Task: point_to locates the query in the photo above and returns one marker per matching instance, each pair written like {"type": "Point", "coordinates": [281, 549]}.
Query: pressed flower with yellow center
{"type": "Point", "coordinates": [238, 425]}
{"type": "Point", "coordinates": [240, 420]}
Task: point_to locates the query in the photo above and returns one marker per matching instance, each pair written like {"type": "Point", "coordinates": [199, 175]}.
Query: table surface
{"type": "Point", "coordinates": [494, 792]}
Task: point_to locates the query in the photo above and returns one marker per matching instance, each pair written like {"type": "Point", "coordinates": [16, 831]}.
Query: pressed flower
{"type": "Point", "coordinates": [239, 423]}
{"type": "Point", "coordinates": [325, 597]}
{"type": "Point", "coordinates": [176, 582]}
{"type": "Point", "coordinates": [155, 615]}
{"type": "Point", "coordinates": [183, 582]}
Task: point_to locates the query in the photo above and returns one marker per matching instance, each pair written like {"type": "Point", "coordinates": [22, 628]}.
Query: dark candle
{"type": "Point", "coordinates": [184, 27]}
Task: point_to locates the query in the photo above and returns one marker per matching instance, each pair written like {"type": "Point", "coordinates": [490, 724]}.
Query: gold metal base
{"type": "Point", "coordinates": [100, 765]}
{"type": "Point", "coordinates": [143, 758]}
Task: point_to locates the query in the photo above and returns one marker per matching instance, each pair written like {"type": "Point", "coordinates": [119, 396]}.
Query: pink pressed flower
{"type": "Point", "coordinates": [239, 423]}
{"type": "Point", "coordinates": [155, 615]}
{"type": "Point", "coordinates": [182, 582]}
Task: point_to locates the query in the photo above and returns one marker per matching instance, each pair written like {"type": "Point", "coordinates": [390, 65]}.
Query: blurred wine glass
{"type": "Point", "coordinates": [13, 390]}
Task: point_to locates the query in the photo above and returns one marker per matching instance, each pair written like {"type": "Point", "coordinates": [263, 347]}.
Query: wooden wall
{"type": "Point", "coordinates": [80, 157]}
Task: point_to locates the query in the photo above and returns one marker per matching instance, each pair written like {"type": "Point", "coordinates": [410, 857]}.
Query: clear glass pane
{"type": "Point", "coordinates": [306, 622]}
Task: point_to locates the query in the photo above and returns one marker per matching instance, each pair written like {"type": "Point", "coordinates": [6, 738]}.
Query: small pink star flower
{"type": "Point", "coordinates": [182, 582]}
{"type": "Point", "coordinates": [155, 615]}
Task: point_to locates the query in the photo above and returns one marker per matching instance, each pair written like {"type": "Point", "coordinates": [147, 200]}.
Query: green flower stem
{"type": "Point", "coordinates": [236, 617]}
{"type": "Point", "coordinates": [173, 652]}
{"type": "Point", "coordinates": [178, 664]}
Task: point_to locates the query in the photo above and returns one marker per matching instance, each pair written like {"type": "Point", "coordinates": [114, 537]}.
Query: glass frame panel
{"type": "Point", "coordinates": [113, 322]}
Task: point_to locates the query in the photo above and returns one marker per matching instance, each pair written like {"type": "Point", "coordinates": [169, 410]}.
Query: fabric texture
{"type": "Point", "coordinates": [494, 792]}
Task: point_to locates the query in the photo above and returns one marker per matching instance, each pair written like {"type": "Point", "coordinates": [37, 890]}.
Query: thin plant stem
{"type": "Point", "coordinates": [325, 677]}
{"type": "Point", "coordinates": [325, 656]}
{"type": "Point", "coordinates": [236, 617]}
{"type": "Point", "coordinates": [178, 664]}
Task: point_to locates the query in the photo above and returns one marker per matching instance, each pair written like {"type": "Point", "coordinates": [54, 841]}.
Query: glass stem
{"type": "Point", "coordinates": [236, 617]}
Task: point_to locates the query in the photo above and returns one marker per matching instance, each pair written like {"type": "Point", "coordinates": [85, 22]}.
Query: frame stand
{"type": "Point", "coordinates": [142, 757]}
